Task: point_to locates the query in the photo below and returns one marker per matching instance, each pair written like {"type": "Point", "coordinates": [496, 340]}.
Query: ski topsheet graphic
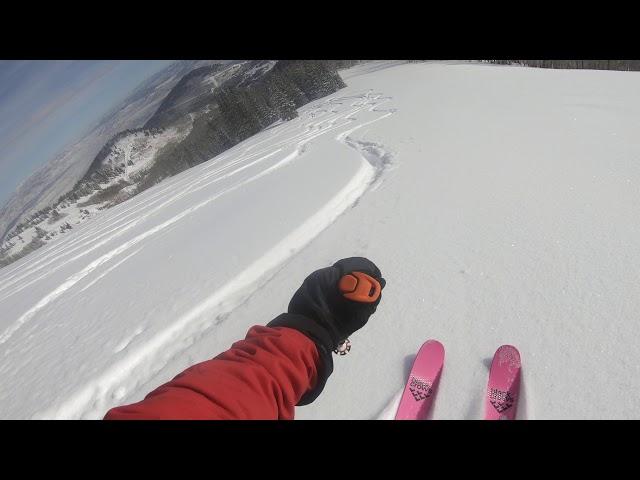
{"type": "Point", "coordinates": [422, 383]}
{"type": "Point", "coordinates": [504, 384]}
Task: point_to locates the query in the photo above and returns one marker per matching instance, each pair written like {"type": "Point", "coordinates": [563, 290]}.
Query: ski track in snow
{"type": "Point", "coordinates": [148, 357]}
{"type": "Point", "coordinates": [191, 187]}
{"type": "Point", "coordinates": [107, 271]}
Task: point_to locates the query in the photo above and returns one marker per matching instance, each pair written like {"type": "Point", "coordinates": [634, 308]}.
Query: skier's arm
{"type": "Point", "coordinates": [278, 366]}
{"type": "Point", "coordinates": [261, 377]}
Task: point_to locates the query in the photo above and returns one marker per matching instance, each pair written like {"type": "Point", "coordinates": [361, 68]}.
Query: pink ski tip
{"type": "Point", "coordinates": [503, 388]}
{"type": "Point", "coordinates": [422, 384]}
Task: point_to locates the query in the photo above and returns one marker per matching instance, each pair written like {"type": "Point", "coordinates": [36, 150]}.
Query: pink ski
{"type": "Point", "coordinates": [504, 384]}
{"type": "Point", "coordinates": [422, 383]}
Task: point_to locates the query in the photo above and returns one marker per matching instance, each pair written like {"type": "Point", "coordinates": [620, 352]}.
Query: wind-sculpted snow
{"type": "Point", "coordinates": [90, 317]}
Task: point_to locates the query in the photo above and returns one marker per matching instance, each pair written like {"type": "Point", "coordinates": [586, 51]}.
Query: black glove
{"type": "Point", "coordinates": [328, 308]}
{"type": "Point", "coordinates": [320, 299]}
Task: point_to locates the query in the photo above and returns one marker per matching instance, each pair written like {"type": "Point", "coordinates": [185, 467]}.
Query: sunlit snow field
{"type": "Point", "coordinates": [500, 203]}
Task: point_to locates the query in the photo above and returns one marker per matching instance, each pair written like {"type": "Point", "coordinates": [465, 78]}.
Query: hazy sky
{"type": "Point", "coordinates": [46, 104]}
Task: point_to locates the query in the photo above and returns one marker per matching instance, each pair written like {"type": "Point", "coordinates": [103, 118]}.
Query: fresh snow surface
{"type": "Point", "coordinates": [500, 203]}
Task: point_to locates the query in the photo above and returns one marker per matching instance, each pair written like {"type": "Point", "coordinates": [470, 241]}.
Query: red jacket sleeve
{"type": "Point", "coordinates": [261, 377]}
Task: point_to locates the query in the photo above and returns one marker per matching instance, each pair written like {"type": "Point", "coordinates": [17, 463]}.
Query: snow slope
{"type": "Point", "coordinates": [499, 202]}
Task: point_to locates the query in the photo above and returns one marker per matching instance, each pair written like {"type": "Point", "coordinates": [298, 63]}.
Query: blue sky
{"type": "Point", "coordinates": [44, 105]}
